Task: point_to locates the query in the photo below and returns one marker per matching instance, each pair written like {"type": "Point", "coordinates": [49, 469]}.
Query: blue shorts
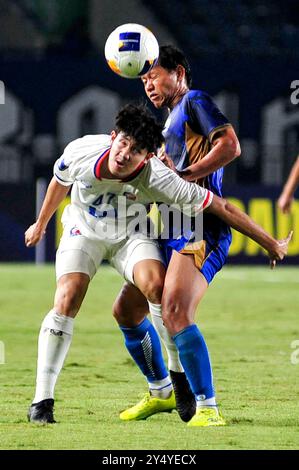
{"type": "Point", "coordinates": [208, 257]}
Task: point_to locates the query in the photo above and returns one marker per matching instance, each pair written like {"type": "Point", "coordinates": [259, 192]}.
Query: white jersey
{"type": "Point", "coordinates": [97, 203]}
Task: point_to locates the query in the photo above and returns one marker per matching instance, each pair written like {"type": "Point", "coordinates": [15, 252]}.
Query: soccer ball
{"type": "Point", "coordinates": [131, 50]}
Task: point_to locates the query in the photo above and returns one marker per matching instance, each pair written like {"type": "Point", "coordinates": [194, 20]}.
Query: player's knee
{"type": "Point", "coordinates": [149, 278]}
{"type": "Point", "coordinates": [126, 317]}
{"type": "Point", "coordinates": [68, 299]}
{"type": "Point", "coordinates": [170, 314]}
{"type": "Point", "coordinates": [119, 312]}
{"type": "Point", "coordinates": [153, 290]}
{"type": "Point", "coordinates": [174, 316]}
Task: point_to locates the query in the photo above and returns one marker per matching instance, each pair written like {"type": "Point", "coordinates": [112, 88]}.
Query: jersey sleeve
{"type": "Point", "coordinates": [166, 186]}
{"type": "Point", "coordinates": [205, 117]}
{"type": "Point", "coordinates": [63, 166]}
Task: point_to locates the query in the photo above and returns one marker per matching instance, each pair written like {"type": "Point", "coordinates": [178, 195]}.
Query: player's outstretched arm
{"type": "Point", "coordinates": [277, 249]}
{"type": "Point", "coordinates": [287, 196]}
{"type": "Point", "coordinates": [54, 196]}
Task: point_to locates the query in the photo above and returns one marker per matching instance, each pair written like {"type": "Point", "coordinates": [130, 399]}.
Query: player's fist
{"type": "Point", "coordinates": [280, 250]}
{"type": "Point", "coordinates": [34, 234]}
{"type": "Point", "coordinates": [284, 203]}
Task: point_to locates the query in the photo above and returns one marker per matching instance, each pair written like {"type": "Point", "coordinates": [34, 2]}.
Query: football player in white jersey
{"type": "Point", "coordinates": [106, 172]}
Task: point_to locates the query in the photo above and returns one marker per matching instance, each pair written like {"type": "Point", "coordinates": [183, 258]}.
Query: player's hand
{"type": "Point", "coordinates": [167, 161]}
{"type": "Point", "coordinates": [280, 250]}
{"type": "Point", "coordinates": [284, 203]}
{"type": "Point", "coordinates": [34, 234]}
{"type": "Point", "coordinates": [187, 175]}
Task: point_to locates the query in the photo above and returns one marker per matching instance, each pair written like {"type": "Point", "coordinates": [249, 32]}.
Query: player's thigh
{"type": "Point", "coordinates": [184, 287]}
{"type": "Point", "coordinates": [134, 252]}
{"type": "Point", "coordinates": [130, 306]}
{"type": "Point", "coordinates": [77, 261]}
{"type": "Point", "coordinates": [77, 253]}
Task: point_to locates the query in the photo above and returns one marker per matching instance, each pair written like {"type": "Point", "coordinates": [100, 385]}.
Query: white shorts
{"type": "Point", "coordinates": [78, 254]}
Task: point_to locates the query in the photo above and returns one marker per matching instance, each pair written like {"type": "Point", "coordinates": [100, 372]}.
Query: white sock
{"type": "Point", "coordinates": [161, 388]}
{"type": "Point", "coordinates": [208, 402]}
{"type": "Point", "coordinates": [53, 344]}
{"type": "Point", "coordinates": [174, 362]}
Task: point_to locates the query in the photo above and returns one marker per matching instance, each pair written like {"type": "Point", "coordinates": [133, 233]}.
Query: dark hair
{"type": "Point", "coordinates": [136, 121]}
{"type": "Point", "coordinates": [170, 57]}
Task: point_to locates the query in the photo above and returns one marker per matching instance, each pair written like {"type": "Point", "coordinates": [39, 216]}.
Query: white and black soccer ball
{"type": "Point", "coordinates": [131, 50]}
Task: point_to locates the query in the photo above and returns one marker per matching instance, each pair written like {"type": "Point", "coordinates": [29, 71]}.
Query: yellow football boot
{"type": "Point", "coordinates": [207, 417]}
{"type": "Point", "coordinates": [148, 406]}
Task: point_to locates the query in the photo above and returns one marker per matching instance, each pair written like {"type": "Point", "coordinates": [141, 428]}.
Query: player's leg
{"type": "Point", "coordinates": [54, 341]}
{"type": "Point", "coordinates": [181, 297]}
{"type": "Point", "coordinates": [130, 309]}
{"type": "Point", "coordinates": [74, 269]}
{"type": "Point", "coordinates": [141, 338]}
{"type": "Point", "coordinates": [179, 381]}
{"type": "Point", "coordinates": [131, 305]}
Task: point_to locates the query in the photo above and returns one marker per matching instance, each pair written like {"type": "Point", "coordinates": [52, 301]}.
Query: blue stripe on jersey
{"type": "Point", "coordinates": [95, 168]}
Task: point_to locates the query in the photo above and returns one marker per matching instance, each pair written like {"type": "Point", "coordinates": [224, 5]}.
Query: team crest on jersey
{"type": "Point", "coordinates": [75, 231]}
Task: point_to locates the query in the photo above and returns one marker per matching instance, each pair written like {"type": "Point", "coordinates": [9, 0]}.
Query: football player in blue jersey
{"type": "Point", "coordinates": [199, 141]}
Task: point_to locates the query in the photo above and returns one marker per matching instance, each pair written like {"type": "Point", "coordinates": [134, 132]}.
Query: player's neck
{"type": "Point", "coordinates": [105, 172]}
{"type": "Point", "coordinates": [178, 96]}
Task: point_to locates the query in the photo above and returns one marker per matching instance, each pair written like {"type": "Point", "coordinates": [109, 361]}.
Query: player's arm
{"type": "Point", "coordinates": [167, 186]}
{"type": "Point", "coordinates": [241, 222]}
{"type": "Point", "coordinates": [287, 196]}
{"type": "Point", "coordinates": [225, 147]}
{"type": "Point", "coordinates": [56, 192]}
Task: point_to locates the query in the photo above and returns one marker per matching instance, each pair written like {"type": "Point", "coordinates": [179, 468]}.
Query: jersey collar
{"type": "Point", "coordinates": [99, 162]}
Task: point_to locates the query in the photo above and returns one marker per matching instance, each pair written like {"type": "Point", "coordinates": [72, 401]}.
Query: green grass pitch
{"type": "Point", "coordinates": [249, 318]}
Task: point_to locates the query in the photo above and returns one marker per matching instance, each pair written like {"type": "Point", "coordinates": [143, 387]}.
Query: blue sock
{"type": "Point", "coordinates": [143, 344]}
{"type": "Point", "coordinates": [195, 360]}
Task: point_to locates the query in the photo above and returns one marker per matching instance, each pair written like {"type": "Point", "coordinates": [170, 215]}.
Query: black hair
{"type": "Point", "coordinates": [136, 121]}
{"type": "Point", "coordinates": [170, 57]}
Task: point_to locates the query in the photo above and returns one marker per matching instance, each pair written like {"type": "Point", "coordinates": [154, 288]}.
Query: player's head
{"type": "Point", "coordinates": [170, 57]}
{"type": "Point", "coordinates": [135, 139]}
{"type": "Point", "coordinates": [169, 79]}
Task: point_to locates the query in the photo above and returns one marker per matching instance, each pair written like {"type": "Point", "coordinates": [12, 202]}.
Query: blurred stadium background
{"type": "Point", "coordinates": [58, 87]}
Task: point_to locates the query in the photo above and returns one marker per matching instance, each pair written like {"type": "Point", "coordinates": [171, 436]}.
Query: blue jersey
{"type": "Point", "coordinates": [188, 133]}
